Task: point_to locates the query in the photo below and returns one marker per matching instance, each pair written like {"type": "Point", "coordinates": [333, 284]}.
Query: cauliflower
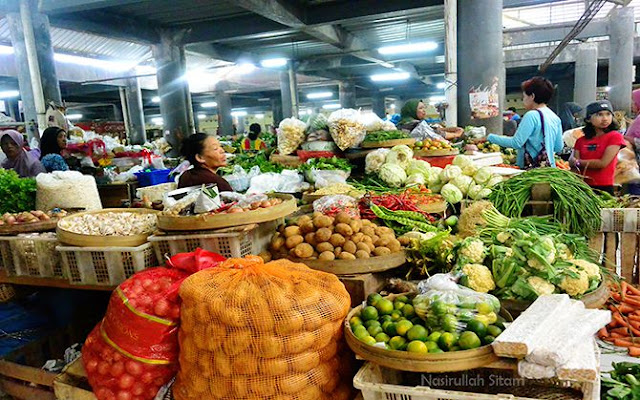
{"type": "Point", "coordinates": [477, 192]}
{"type": "Point", "coordinates": [563, 252]}
{"type": "Point", "coordinates": [419, 235]}
{"type": "Point", "coordinates": [482, 176]}
{"type": "Point", "coordinates": [472, 251]}
{"type": "Point", "coordinates": [374, 160]}
{"type": "Point", "coordinates": [400, 155]}
{"type": "Point", "coordinates": [392, 174]}
{"type": "Point", "coordinates": [540, 286]}
{"type": "Point", "coordinates": [542, 253]}
{"type": "Point", "coordinates": [574, 286]}
{"type": "Point", "coordinates": [592, 270]}
{"type": "Point", "coordinates": [477, 277]}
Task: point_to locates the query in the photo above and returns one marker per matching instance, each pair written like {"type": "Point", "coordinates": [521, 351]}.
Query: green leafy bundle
{"type": "Point", "coordinates": [381, 136]}
{"type": "Point", "coordinates": [623, 382]}
{"type": "Point", "coordinates": [333, 163]}
{"type": "Point", "coordinates": [17, 194]}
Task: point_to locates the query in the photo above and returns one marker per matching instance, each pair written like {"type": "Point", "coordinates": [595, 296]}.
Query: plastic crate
{"type": "Point", "coordinates": [379, 383]}
{"type": "Point", "coordinates": [108, 266]}
{"type": "Point", "coordinates": [6, 257]}
{"type": "Point", "coordinates": [227, 244]}
{"type": "Point", "coordinates": [151, 178]}
{"type": "Point", "coordinates": [36, 256]}
{"type": "Point", "coordinates": [620, 220]}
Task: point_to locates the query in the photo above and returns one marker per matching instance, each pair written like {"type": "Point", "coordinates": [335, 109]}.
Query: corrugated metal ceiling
{"type": "Point", "coordinates": [179, 12]}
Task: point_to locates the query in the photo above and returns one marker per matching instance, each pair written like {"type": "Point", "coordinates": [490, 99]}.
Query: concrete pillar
{"type": "Point", "coordinates": [347, 92]}
{"type": "Point", "coordinates": [137, 133]}
{"type": "Point", "coordinates": [44, 49]}
{"type": "Point", "coordinates": [276, 110]}
{"type": "Point", "coordinates": [293, 88]}
{"type": "Point", "coordinates": [12, 108]}
{"type": "Point", "coordinates": [173, 90]}
{"type": "Point", "coordinates": [240, 128]}
{"type": "Point", "coordinates": [377, 105]}
{"type": "Point", "coordinates": [285, 93]}
{"type": "Point", "coordinates": [451, 61]}
{"type": "Point", "coordinates": [480, 40]}
{"type": "Point", "coordinates": [586, 74]}
{"type": "Point", "coordinates": [225, 121]}
{"type": "Point", "coordinates": [621, 36]}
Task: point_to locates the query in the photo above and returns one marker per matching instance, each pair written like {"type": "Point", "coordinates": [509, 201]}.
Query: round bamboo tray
{"type": "Point", "coordinates": [387, 143]}
{"type": "Point", "coordinates": [461, 360]}
{"type": "Point", "coordinates": [77, 239]}
{"type": "Point", "coordinates": [434, 208]}
{"type": "Point", "coordinates": [358, 266]}
{"type": "Point", "coordinates": [593, 300]}
{"type": "Point", "coordinates": [41, 226]}
{"type": "Point", "coordinates": [215, 221]}
{"type": "Point", "coordinates": [436, 153]}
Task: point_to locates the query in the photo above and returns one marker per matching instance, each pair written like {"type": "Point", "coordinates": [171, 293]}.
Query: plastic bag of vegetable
{"type": "Point", "coordinates": [371, 122]}
{"type": "Point", "coordinates": [346, 129]}
{"type": "Point", "coordinates": [393, 175]}
{"type": "Point", "coordinates": [290, 135]}
{"type": "Point", "coordinates": [374, 160]}
{"type": "Point", "coordinates": [452, 309]}
{"type": "Point", "coordinates": [400, 155]}
{"type": "Point", "coordinates": [333, 205]}
{"type": "Point", "coordinates": [134, 350]}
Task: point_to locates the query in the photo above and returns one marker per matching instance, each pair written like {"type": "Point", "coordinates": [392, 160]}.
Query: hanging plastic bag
{"type": "Point", "coordinates": [346, 129]}
{"type": "Point", "coordinates": [371, 122]}
{"type": "Point", "coordinates": [333, 205]}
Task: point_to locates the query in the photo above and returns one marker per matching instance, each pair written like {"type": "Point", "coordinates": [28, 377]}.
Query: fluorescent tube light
{"type": "Point", "coordinates": [333, 106]}
{"type": "Point", "coordinates": [209, 104]}
{"type": "Point", "coordinates": [391, 76]}
{"type": "Point", "coordinates": [7, 94]}
{"type": "Point", "coordinates": [419, 47]}
{"type": "Point", "coordinates": [273, 62]}
{"type": "Point", "coordinates": [74, 116]}
{"type": "Point", "coordinates": [319, 95]}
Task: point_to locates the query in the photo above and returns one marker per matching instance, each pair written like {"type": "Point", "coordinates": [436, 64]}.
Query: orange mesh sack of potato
{"type": "Point", "coordinates": [251, 330]}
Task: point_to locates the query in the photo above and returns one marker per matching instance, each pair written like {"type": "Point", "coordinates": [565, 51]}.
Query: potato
{"type": "Point", "coordinates": [371, 246]}
{"type": "Point", "coordinates": [291, 231]}
{"type": "Point", "coordinates": [381, 251]}
{"type": "Point", "coordinates": [384, 240]}
{"type": "Point", "coordinates": [349, 247]}
{"type": "Point", "coordinates": [357, 238]}
{"type": "Point", "coordinates": [383, 230]}
{"type": "Point", "coordinates": [343, 218]}
{"type": "Point", "coordinates": [277, 241]}
{"type": "Point", "coordinates": [293, 241]}
{"type": "Point", "coordinates": [337, 240]}
{"type": "Point", "coordinates": [394, 245]}
{"type": "Point", "coordinates": [362, 254]}
{"type": "Point", "coordinates": [344, 229]}
{"type": "Point", "coordinates": [317, 214]}
{"type": "Point", "coordinates": [307, 227]}
{"type": "Point", "coordinates": [366, 222]}
{"type": "Point", "coordinates": [322, 221]}
{"type": "Point", "coordinates": [368, 231]}
{"type": "Point", "coordinates": [310, 238]}
{"type": "Point", "coordinates": [337, 251]}
{"type": "Point", "coordinates": [367, 239]}
{"type": "Point", "coordinates": [374, 238]}
{"type": "Point", "coordinates": [323, 235]}
{"type": "Point", "coordinates": [266, 256]}
{"type": "Point", "coordinates": [355, 225]}
{"type": "Point", "coordinates": [324, 246]}
{"type": "Point", "coordinates": [327, 256]}
{"type": "Point", "coordinates": [305, 219]}
{"type": "Point", "coordinates": [346, 256]}
{"type": "Point", "coordinates": [404, 241]}
{"type": "Point", "coordinates": [303, 250]}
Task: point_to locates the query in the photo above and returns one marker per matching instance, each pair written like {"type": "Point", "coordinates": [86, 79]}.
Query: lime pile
{"type": "Point", "coordinates": [395, 325]}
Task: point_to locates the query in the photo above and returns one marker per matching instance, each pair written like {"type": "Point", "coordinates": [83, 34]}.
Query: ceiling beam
{"type": "Point", "coordinates": [233, 28]}
{"type": "Point", "coordinates": [110, 25]}
{"type": "Point", "coordinates": [53, 7]}
{"type": "Point", "coordinates": [350, 11]}
{"type": "Point", "coordinates": [526, 3]}
{"type": "Point", "coordinates": [553, 33]}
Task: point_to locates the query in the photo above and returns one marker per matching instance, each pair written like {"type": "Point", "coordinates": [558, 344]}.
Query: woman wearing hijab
{"type": "Point", "coordinates": [569, 115]}
{"type": "Point", "coordinates": [412, 115]}
{"type": "Point", "coordinates": [52, 142]}
{"type": "Point", "coordinates": [18, 159]}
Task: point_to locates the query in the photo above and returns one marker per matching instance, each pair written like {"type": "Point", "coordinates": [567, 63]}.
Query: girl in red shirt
{"type": "Point", "coordinates": [596, 154]}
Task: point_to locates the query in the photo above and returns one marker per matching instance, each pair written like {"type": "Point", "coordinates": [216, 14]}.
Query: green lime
{"type": "Point", "coordinates": [369, 313]}
{"type": "Point", "coordinates": [418, 144]}
{"type": "Point", "coordinates": [371, 322]}
{"type": "Point", "coordinates": [373, 299]}
{"type": "Point", "coordinates": [439, 308]}
{"type": "Point", "coordinates": [417, 321]}
{"type": "Point", "coordinates": [436, 350]}
{"type": "Point", "coordinates": [417, 346]}
{"type": "Point", "coordinates": [469, 340]}
{"type": "Point", "coordinates": [417, 332]}
{"type": "Point", "coordinates": [431, 346]}
{"type": "Point", "coordinates": [397, 305]}
{"type": "Point", "coordinates": [488, 339]}
{"type": "Point", "coordinates": [408, 311]}
{"type": "Point", "coordinates": [467, 305]}
{"type": "Point", "coordinates": [360, 332]}
{"type": "Point", "coordinates": [385, 318]}
{"type": "Point", "coordinates": [402, 327]}
{"type": "Point", "coordinates": [449, 323]}
{"type": "Point", "coordinates": [355, 321]}
{"type": "Point", "coordinates": [369, 340]}
{"type": "Point", "coordinates": [384, 307]}
{"type": "Point", "coordinates": [492, 318]}
{"type": "Point", "coordinates": [465, 315]}
{"type": "Point", "coordinates": [374, 330]}
{"type": "Point", "coordinates": [396, 316]}
{"type": "Point", "coordinates": [434, 337]}
{"type": "Point", "coordinates": [478, 327]}
{"type": "Point", "coordinates": [484, 308]}
{"type": "Point", "coordinates": [390, 328]}
{"type": "Point", "coordinates": [446, 341]}
{"type": "Point", "coordinates": [494, 331]}
{"type": "Point", "coordinates": [398, 343]}
{"type": "Point", "coordinates": [402, 298]}
{"type": "Point", "coordinates": [382, 337]}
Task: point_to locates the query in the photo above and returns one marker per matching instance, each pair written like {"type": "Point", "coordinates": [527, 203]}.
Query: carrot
{"type": "Point", "coordinates": [617, 335]}
{"type": "Point", "coordinates": [633, 317]}
{"type": "Point", "coordinates": [609, 339]}
{"type": "Point", "coordinates": [633, 290]}
{"type": "Point", "coordinates": [632, 302]}
{"type": "Point", "coordinates": [625, 308]}
{"type": "Point", "coordinates": [634, 351]}
{"type": "Point", "coordinates": [618, 318]}
{"type": "Point", "coordinates": [632, 297]}
{"type": "Point", "coordinates": [635, 324]}
{"type": "Point", "coordinates": [603, 332]}
{"type": "Point", "coordinates": [623, 289]}
{"type": "Point", "coordinates": [622, 343]}
{"type": "Point", "coordinates": [621, 331]}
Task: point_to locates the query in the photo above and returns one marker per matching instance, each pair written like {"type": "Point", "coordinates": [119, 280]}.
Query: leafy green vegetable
{"type": "Point", "coordinates": [381, 136]}
{"type": "Point", "coordinates": [248, 160]}
{"type": "Point", "coordinates": [622, 383]}
{"type": "Point", "coordinates": [17, 194]}
{"type": "Point", "coordinates": [332, 163]}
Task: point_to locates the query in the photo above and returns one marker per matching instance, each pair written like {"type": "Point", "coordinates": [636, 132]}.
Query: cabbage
{"type": "Point", "coordinates": [462, 161]}
{"type": "Point", "coordinates": [477, 192]}
{"type": "Point", "coordinates": [400, 155]}
{"type": "Point", "coordinates": [482, 176]}
{"type": "Point", "coordinates": [463, 183]}
{"type": "Point", "coordinates": [415, 179]}
{"type": "Point", "coordinates": [418, 167]}
{"type": "Point", "coordinates": [436, 188]}
{"type": "Point", "coordinates": [494, 181]}
{"type": "Point", "coordinates": [432, 175]}
{"type": "Point", "coordinates": [392, 174]}
{"type": "Point", "coordinates": [449, 172]}
{"type": "Point", "coordinates": [374, 161]}
{"type": "Point", "coordinates": [470, 170]}
{"type": "Point", "coordinates": [451, 193]}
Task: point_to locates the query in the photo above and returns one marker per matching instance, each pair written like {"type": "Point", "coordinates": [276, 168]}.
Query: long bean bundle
{"type": "Point", "coordinates": [574, 203]}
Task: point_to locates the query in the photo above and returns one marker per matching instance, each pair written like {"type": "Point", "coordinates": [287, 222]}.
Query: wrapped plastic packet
{"type": "Point", "coordinates": [346, 129]}
{"type": "Point", "coordinates": [290, 135]}
{"type": "Point", "coordinates": [445, 306]}
{"type": "Point", "coordinates": [324, 178]}
{"type": "Point", "coordinates": [238, 179]}
{"type": "Point", "coordinates": [371, 122]}
{"type": "Point", "coordinates": [332, 205]}
{"type": "Point", "coordinates": [207, 201]}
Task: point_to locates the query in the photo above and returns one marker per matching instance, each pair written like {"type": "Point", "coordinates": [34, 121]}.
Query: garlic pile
{"type": "Point", "coordinates": [110, 224]}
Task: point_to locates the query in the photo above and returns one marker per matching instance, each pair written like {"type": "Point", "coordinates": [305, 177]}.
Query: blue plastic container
{"type": "Point", "coordinates": [151, 178]}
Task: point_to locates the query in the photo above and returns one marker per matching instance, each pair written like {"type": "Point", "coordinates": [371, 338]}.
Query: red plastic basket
{"type": "Point", "coordinates": [304, 155]}
{"type": "Point", "coordinates": [440, 161]}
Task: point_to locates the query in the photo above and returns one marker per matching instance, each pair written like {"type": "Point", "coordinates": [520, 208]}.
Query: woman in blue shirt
{"type": "Point", "coordinates": [529, 137]}
{"type": "Point", "coordinates": [52, 142]}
